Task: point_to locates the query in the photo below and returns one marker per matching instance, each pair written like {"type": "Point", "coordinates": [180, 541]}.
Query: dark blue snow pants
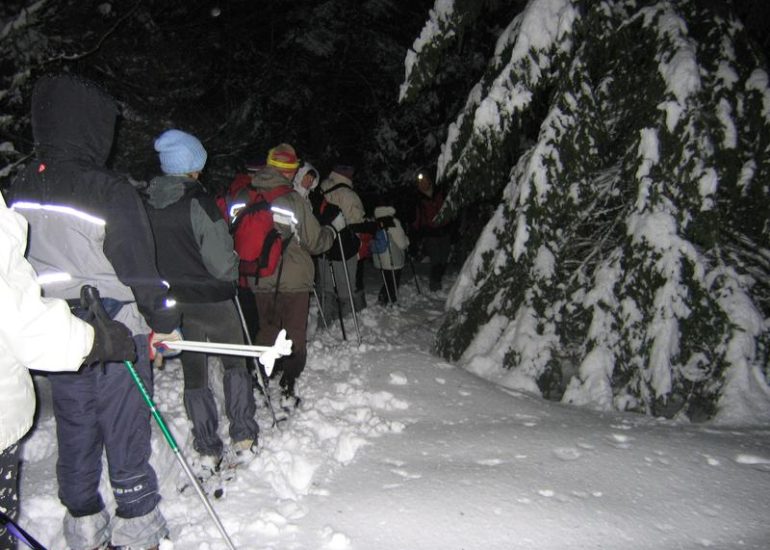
{"type": "Point", "coordinates": [100, 409]}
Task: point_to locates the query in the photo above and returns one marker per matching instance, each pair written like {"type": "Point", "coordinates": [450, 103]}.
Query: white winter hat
{"type": "Point", "coordinates": [384, 211]}
{"type": "Point", "coordinates": [304, 169]}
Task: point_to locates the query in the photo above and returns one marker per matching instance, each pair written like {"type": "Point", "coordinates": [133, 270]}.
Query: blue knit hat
{"type": "Point", "coordinates": [180, 152]}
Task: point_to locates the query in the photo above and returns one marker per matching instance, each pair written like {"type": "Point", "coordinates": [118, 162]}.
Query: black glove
{"type": "Point", "coordinates": [369, 226]}
{"type": "Point", "coordinates": [386, 222]}
{"type": "Point", "coordinates": [112, 342]}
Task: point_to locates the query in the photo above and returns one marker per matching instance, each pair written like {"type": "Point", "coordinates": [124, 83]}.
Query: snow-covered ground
{"type": "Point", "coordinates": [397, 449]}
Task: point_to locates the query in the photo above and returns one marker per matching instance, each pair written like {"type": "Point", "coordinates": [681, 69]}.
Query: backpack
{"type": "Point", "coordinates": [326, 212]}
{"type": "Point", "coordinates": [380, 242]}
{"type": "Point", "coordinates": [258, 244]}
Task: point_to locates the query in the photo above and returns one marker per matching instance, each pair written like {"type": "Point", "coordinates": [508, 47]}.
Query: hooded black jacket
{"type": "Point", "coordinates": [73, 123]}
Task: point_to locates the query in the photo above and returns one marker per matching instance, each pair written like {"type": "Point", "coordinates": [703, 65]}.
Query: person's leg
{"type": "Point", "coordinates": [270, 324]}
{"type": "Point", "coordinates": [295, 307]}
{"type": "Point", "coordinates": [249, 308]}
{"type": "Point", "coordinates": [9, 499]}
{"type": "Point", "coordinates": [124, 419]}
{"type": "Point", "coordinates": [390, 279]}
{"type": "Point", "coordinates": [439, 248]}
{"type": "Point", "coordinates": [360, 276]}
{"type": "Point", "coordinates": [79, 463]}
{"type": "Point", "coordinates": [240, 407]}
{"type": "Point", "coordinates": [198, 398]}
{"type": "Point", "coordinates": [383, 297]}
{"type": "Point", "coordinates": [345, 272]}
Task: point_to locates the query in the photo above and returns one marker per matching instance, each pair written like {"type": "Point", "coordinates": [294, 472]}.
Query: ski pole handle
{"type": "Point", "coordinates": [90, 300]}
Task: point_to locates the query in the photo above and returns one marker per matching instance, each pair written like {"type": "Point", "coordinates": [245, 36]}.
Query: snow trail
{"type": "Point", "coordinates": [395, 448]}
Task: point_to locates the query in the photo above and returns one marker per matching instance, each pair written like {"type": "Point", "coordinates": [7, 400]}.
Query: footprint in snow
{"type": "Point", "coordinates": [489, 462]}
{"type": "Point", "coordinates": [620, 441]}
{"type": "Point", "coordinates": [403, 473]}
{"type": "Point", "coordinates": [567, 453]}
{"type": "Point", "coordinates": [621, 426]}
{"type": "Point", "coordinates": [334, 540]}
{"type": "Point", "coordinates": [757, 462]}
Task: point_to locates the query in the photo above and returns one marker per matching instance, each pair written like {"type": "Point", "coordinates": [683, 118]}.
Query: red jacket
{"type": "Point", "coordinates": [427, 209]}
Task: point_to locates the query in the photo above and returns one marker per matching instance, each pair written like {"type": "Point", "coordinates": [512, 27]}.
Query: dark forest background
{"type": "Point", "coordinates": [244, 75]}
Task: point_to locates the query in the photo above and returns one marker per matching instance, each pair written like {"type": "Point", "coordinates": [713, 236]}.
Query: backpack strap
{"type": "Point", "coordinates": [272, 194]}
{"type": "Point", "coordinates": [261, 199]}
{"type": "Point", "coordinates": [335, 187]}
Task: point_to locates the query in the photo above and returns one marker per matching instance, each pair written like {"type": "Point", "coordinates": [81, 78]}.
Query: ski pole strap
{"type": "Point", "coordinates": [19, 533]}
{"type": "Point", "coordinates": [153, 408]}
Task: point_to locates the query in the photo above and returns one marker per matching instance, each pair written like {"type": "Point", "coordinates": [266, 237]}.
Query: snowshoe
{"type": "Point", "coordinates": [207, 470]}
{"type": "Point", "coordinates": [239, 454]}
{"type": "Point", "coordinates": [290, 403]}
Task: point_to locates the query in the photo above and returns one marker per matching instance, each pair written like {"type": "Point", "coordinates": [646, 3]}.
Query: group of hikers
{"type": "Point", "coordinates": [171, 263]}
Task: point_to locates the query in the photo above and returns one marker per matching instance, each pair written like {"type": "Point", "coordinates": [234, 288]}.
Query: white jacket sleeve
{"type": "Point", "coordinates": [399, 235]}
{"type": "Point", "coordinates": [39, 333]}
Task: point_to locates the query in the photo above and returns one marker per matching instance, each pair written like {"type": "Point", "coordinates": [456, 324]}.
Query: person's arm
{"type": "Point", "coordinates": [216, 243]}
{"type": "Point", "coordinates": [399, 236]}
{"type": "Point", "coordinates": [313, 237]}
{"type": "Point", "coordinates": [130, 248]}
{"type": "Point", "coordinates": [40, 333]}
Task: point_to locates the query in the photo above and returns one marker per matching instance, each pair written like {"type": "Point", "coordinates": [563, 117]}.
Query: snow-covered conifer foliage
{"type": "Point", "coordinates": [626, 265]}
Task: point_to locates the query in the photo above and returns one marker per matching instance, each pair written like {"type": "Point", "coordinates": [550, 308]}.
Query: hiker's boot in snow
{"type": "Point", "coordinates": [206, 467]}
{"type": "Point", "coordinates": [241, 453]}
{"type": "Point", "coordinates": [289, 399]}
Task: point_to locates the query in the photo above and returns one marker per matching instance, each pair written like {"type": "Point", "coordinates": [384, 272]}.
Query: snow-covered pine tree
{"type": "Point", "coordinates": [626, 266]}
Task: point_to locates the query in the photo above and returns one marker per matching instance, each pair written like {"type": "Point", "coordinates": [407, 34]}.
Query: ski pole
{"type": "Point", "coordinates": [320, 308]}
{"type": "Point", "coordinates": [339, 301]}
{"type": "Point", "coordinates": [89, 297]}
{"type": "Point", "coordinates": [15, 529]}
{"type": "Point", "coordinates": [385, 284]}
{"type": "Point", "coordinates": [257, 366]}
{"type": "Point", "coordinates": [350, 290]}
{"type": "Point", "coordinates": [223, 348]}
{"type": "Point", "coordinates": [392, 269]}
{"type": "Point", "coordinates": [414, 272]}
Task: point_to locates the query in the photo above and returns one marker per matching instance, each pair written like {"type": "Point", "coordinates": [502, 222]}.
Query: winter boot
{"type": "Point", "coordinates": [289, 399]}
{"type": "Point", "coordinates": [206, 469]}
{"type": "Point", "coordinates": [241, 453]}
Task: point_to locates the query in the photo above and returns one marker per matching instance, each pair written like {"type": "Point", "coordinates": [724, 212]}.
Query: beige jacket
{"type": "Point", "coordinates": [345, 197]}
{"type": "Point", "coordinates": [309, 238]}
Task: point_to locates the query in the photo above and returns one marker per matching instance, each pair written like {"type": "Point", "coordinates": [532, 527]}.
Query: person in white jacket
{"type": "Point", "coordinates": [389, 252]}
{"type": "Point", "coordinates": [41, 334]}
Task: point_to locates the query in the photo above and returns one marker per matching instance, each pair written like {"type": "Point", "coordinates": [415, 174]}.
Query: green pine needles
{"type": "Point", "coordinates": [627, 264]}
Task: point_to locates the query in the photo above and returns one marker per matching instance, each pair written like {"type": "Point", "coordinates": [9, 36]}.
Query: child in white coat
{"type": "Point", "coordinates": [389, 252]}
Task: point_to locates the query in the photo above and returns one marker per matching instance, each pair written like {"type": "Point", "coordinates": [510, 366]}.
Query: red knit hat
{"type": "Point", "coordinates": [283, 157]}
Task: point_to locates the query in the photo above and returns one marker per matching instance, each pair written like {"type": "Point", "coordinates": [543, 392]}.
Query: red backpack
{"type": "Point", "coordinates": [257, 242]}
